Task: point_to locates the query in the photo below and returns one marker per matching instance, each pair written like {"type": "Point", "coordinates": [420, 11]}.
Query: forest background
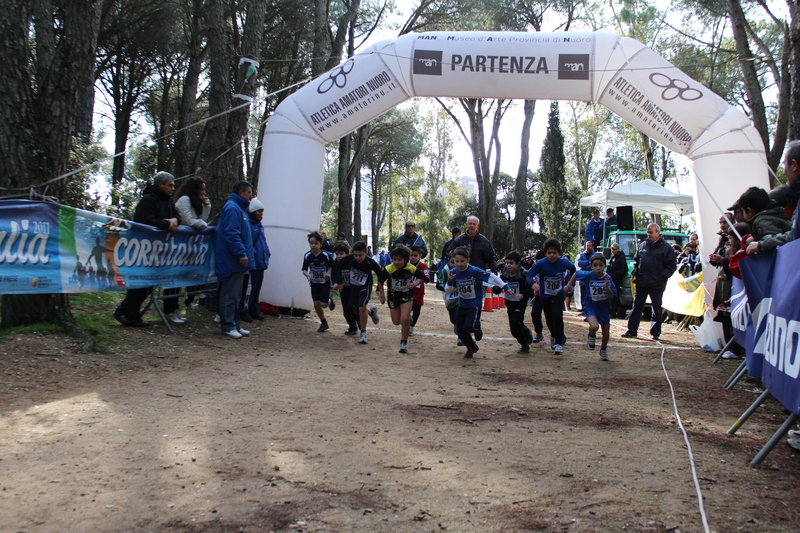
{"type": "Point", "coordinates": [187, 86]}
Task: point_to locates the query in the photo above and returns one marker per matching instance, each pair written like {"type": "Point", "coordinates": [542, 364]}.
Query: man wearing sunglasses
{"type": "Point", "coordinates": [411, 238]}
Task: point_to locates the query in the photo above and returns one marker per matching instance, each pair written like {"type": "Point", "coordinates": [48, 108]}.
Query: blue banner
{"type": "Point", "coordinates": [51, 248]}
{"type": "Point", "coordinates": [777, 332]}
{"type": "Point", "coordinates": [755, 273]}
{"type": "Point", "coordinates": [740, 312]}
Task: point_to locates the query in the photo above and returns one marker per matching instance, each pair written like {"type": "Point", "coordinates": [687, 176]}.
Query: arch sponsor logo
{"type": "Point", "coordinates": [428, 62]}
{"type": "Point", "coordinates": [573, 66]}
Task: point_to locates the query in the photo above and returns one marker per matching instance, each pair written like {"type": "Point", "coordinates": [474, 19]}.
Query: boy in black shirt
{"type": "Point", "coordinates": [317, 269]}
{"type": "Point", "coordinates": [514, 275]}
{"type": "Point", "coordinates": [403, 279]}
{"type": "Point", "coordinates": [359, 268]}
{"type": "Point", "coordinates": [342, 284]}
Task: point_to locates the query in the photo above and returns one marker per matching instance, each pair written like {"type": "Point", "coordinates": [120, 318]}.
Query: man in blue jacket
{"type": "Point", "coordinates": [234, 256]}
{"type": "Point", "coordinates": [594, 229]}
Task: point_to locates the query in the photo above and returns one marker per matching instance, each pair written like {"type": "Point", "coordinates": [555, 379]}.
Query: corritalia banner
{"type": "Point", "coordinates": [51, 248]}
{"type": "Point", "coordinates": [777, 330]}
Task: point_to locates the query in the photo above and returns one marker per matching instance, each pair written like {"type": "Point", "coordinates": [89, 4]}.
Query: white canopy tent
{"type": "Point", "coordinates": [646, 196]}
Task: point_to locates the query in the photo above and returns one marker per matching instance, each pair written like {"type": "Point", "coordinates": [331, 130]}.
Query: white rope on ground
{"type": "Point", "coordinates": [695, 480]}
{"type": "Point", "coordinates": [698, 490]}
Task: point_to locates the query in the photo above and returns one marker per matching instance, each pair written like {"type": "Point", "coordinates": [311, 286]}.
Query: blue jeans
{"type": "Point", "coordinates": [230, 289]}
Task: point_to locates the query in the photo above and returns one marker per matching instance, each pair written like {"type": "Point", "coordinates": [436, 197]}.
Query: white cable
{"type": "Point", "coordinates": [700, 503]}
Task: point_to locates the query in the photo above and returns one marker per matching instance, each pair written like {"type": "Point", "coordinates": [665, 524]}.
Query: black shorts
{"type": "Point", "coordinates": [321, 292]}
{"type": "Point", "coordinates": [398, 298]}
{"type": "Point", "coordinates": [360, 295]}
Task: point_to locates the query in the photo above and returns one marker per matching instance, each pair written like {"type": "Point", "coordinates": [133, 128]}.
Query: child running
{"type": "Point", "coordinates": [469, 281]}
{"type": "Point", "coordinates": [551, 273]}
{"type": "Point", "coordinates": [341, 280]}
{"type": "Point", "coordinates": [600, 292]}
{"type": "Point", "coordinates": [317, 269]}
{"type": "Point", "coordinates": [536, 303]}
{"type": "Point", "coordinates": [419, 292]}
{"type": "Point", "coordinates": [356, 269]}
{"type": "Point", "coordinates": [403, 278]}
{"type": "Point", "coordinates": [449, 293]}
{"type": "Point", "coordinates": [514, 276]}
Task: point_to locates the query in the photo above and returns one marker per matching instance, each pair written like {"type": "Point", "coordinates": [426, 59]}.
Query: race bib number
{"type": "Point", "coordinates": [358, 277]}
{"type": "Point", "coordinates": [466, 290]}
{"type": "Point", "coordinates": [597, 289]}
{"type": "Point", "coordinates": [346, 277]}
{"type": "Point", "coordinates": [399, 284]}
{"type": "Point", "coordinates": [318, 274]}
{"type": "Point", "coordinates": [552, 285]}
{"type": "Point", "coordinates": [514, 286]}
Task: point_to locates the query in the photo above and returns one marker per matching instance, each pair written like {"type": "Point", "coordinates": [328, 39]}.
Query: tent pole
{"type": "Point", "coordinates": [736, 376]}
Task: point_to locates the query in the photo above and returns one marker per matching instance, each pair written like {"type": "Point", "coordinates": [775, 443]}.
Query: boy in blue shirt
{"type": "Point", "coordinates": [469, 281]}
{"type": "Point", "coordinates": [551, 289]}
{"type": "Point", "coordinates": [449, 293]}
{"type": "Point", "coordinates": [600, 291]}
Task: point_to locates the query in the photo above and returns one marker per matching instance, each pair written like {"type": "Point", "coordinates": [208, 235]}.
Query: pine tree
{"type": "Point", "coordinates": [553, 192]}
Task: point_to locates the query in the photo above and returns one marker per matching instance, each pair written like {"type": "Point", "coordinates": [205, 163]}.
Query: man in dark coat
{"type": "Point", "coordinates": [411, 238]}
{"type": "Point", "coordinates": [655, 263]}
{"type": "Point", "coordinates": [481, 252]}
{"type": "Point", "coordinates": [448, 246]}
{"type": "Point", "coordinates": [617, 269]}
{"type": "Point", "coordinates": [154, 209]}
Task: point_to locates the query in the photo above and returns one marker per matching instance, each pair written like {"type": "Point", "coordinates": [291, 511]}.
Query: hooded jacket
{"type": "Point", "coordinates": [154, 208]}
{"type": "Point", "coordinates": [234, 238]}
{"type": "Point", "coordinates": [261, 251]}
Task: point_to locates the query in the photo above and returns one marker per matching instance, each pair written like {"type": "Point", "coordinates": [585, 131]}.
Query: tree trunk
{"type": "Point", "coordinates": [344, 213]}
{"type": "Point", "coordinates": [357, 232]}
{"type": "Point", "coordinates": [521, 183]}
{"type": "Point", "coordinates": [38, 114]}
{"type": "Point", "coordinates": [186, 115]}
{"type": "Point", "coordinates": [747, 64]}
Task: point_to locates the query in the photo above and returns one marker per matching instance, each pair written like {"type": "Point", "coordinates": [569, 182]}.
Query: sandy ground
{"type": "Point", "coordinates": [290, 429]}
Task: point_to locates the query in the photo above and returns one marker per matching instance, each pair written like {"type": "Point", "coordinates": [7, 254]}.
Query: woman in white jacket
{"type": "Point", "coordinates": [194, 208]}
{"type": "Point", "coordinates": [192, 203]}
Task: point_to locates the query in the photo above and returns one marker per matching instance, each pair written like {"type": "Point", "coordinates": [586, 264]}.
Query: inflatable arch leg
{"type": "Point", "coordinates": [628, 78]}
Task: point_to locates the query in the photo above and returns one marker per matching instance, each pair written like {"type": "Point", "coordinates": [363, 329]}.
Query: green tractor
{"type": "Point", "coordinates": [629, 241]}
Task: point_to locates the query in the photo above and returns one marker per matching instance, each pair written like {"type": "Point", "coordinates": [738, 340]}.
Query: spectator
{"type": "Point", "coordinates": [234, 257]}
{"type": "Point", "coordinates": [248, 309]}
{"type": "Point", "coordinates": [694, 241]}
{"type": "Point", "coordinates": [791, 168]}
{"type": "Point", "coordinates": [481, 252]}
{"type": "Point", "coordinates": [611, 220]}
{"type": "Point", "coordinates": [194, 208]}
{"type": "Point", "coordinates": [723, 239]}
{"type": "Point", "coordinates": [688, 261]}
{"type": "Point", "coordinates": [448, 246]}
{"type": "Point", "coordinates": [655, 263]}
{"type": "Point", "coordinates": [617, 269]}
{"type": "Point", "coordinates": [327, 246]}
{"type": "Point", "coordinates": [154, 209]}
{"type": "Point", "coordinates": [341, 238]}
{"type": "Point", "coordinates": [594, 229]}
{"type": "Point", "coordinates": [411, 238]}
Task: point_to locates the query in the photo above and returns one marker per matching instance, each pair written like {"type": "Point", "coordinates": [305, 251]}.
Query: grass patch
{"type": "Point", "coordinates": [93, 313]}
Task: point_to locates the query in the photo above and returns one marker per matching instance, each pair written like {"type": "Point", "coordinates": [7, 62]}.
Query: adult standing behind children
{"type": "Point", "coordinates": [234, 256]}
{"type": "Point", "coordinates": [448, 246]}
{"type": "Point", "coordinates": [481, 252]}
{"type": "Point", "coordinates": [617, 269]}
{"type": "Point", "coordinates": [411, 238]}
{"type": "Point", "coordinates": [156, 208]}
{"type": "Point", "coordinates": [655, 263]}
{"type": "Point", "coordinates": [594, 229]}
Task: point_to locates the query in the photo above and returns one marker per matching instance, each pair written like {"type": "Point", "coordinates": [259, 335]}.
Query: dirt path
{"type": "Point", "coordinates": [294, 430]}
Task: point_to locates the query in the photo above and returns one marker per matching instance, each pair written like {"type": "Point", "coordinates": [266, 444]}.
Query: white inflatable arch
{"type": "Point", "coordinates": [725, 151]}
